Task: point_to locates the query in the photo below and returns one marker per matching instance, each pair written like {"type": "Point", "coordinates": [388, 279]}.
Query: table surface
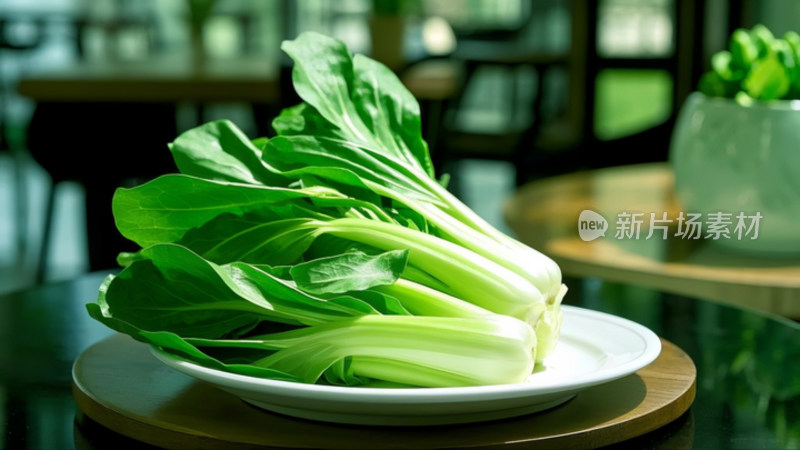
{"type": "Point", "coordinates": [748, 392]}
{"type": "Point", "coordinates": [164, 78]}
{"type": "Point", "coordinates": [172, 78]}
{"type": "Point", "coordinates": [544, 214]}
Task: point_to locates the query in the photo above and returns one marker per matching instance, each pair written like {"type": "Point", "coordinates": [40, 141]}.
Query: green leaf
{"type": "Point", "coordinates": [260, 143]}
{"type": "Point", "coordinates": [721, 63]}
{"type": "Point", "coordinates": [361, 99]}
{"type": "Point", "coordinates": [220, 151]}
{"type": "Point", "coordinates": [744, 51]}
{"type": "Point", "coordinates": [350, 186]}
{"type": "Point", "coordinates": [414, 220]}
{"type": "Point", "coordinates": [347, 162]}
{"type": "Point", "coordinates": [712, 85]}
{"type": "Point", "coordinates": [258, 237]}
{"type": "Point", "coordinates": [743, 99]}
{"type": "Point", "coordinates": [762, 38]}
{"type": "Point", "coordinates": [288, 300]}
{"type": "Point", "coordinates": [786, 55]}
{"type": "Point", "coordinates": [349, 272]}
{"type": "Point", "coordinates": [164, 209]}
{"type": "Point", "coordinates": [768, 79]}
{"type": "Point", "coordinates": [792, 39]}
{"type": "Point", "coordinates": [390, 111]}
{"type": "Point", "coordinates": [173, 289]}
{"type": "Point", "coordinates": [276, 236]}
{"type": "Point", "coordinates": [303, 119]}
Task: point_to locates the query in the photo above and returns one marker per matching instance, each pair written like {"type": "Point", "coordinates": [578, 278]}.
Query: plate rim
{"type": "Point", "coordinates": [652, 348]}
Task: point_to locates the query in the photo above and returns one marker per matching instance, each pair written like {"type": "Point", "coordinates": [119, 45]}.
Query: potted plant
{"type": "Point", "coordinates": [735, 149]}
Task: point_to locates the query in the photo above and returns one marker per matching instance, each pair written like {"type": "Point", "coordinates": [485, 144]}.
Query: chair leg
{"type": "Point", "coordinates": [44, 249]}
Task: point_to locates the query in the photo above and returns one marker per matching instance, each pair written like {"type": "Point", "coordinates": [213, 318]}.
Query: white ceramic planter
{"type": "Point", "coordinates": [731, 158]}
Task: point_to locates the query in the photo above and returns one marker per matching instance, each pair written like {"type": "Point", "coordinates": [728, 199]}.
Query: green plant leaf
{"type": "Point", "coordinates": [355, 271]}
{"type": "Point", "coordinates": [721, 63]}
{"type": "Point", "coordinates": [164, 209]}
{"type": "Point", "coordinates": [768, 79]}
{"type": "Point", "coordinates": [744, 51]}
{"type": "Point", "coordinates": [220, 151]}
{"type": "Point", "coordinates": [258, 237]}
{"type": "Point", "coordinates": [173, 289]}
{"type": "Point", "coordinates": [347, 162]}
{"type": "Point", "coordinates": [362, 99]}
{"type": "Point", "coordinates": [792, 40]}
{"type": "Point", "coordinates": [762, 38]}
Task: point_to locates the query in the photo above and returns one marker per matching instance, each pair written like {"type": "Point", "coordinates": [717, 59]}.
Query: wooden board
{"type": "Point", "coordinates": [119, 384]}
{"type": "Point", "coordinates": [544, 214]}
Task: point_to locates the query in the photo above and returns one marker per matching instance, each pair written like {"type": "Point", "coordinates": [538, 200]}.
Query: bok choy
{"type": "Point", "coordinates": [329, 253]}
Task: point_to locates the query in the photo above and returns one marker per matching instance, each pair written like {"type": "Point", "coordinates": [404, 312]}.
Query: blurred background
{"type": "Point", "coordinates": [91, 92]}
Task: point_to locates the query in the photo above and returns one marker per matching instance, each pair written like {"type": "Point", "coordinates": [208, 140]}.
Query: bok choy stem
{"type": "Point", "coordinates": [490, 285]}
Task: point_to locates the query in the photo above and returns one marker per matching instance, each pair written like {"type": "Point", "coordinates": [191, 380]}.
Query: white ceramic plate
{"type": "Point", "coordinates": [594, 348]}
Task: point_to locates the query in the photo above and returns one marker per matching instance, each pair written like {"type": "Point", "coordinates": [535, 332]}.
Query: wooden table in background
{"type": "Point", "coordinates": [167, 78]}
{"type": "Point", "coordinates": [544, 214]}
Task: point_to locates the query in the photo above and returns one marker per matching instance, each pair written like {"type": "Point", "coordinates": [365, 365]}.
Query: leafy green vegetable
{"type": "Point", "coordinates": [329, 253]}
{"type": "Point", "coordinates": [349, 272]}
{"type": "Point", "coordinates": [758, 66]}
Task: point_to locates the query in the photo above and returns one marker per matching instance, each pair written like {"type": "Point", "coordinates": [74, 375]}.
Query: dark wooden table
{"type": "Point", "coordinates": [748, 391]}
{"type": "Point", "coordinates": [166, 78]}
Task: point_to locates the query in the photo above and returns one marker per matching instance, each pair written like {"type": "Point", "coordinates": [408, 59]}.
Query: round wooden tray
{"type": "Point", "coordinates": [119, 384]}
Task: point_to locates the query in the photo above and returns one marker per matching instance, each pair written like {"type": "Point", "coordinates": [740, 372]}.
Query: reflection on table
{"type": "Point", "coordinates": [545, 214]}
{"type": "Point", "coordinates": [748, 393]}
